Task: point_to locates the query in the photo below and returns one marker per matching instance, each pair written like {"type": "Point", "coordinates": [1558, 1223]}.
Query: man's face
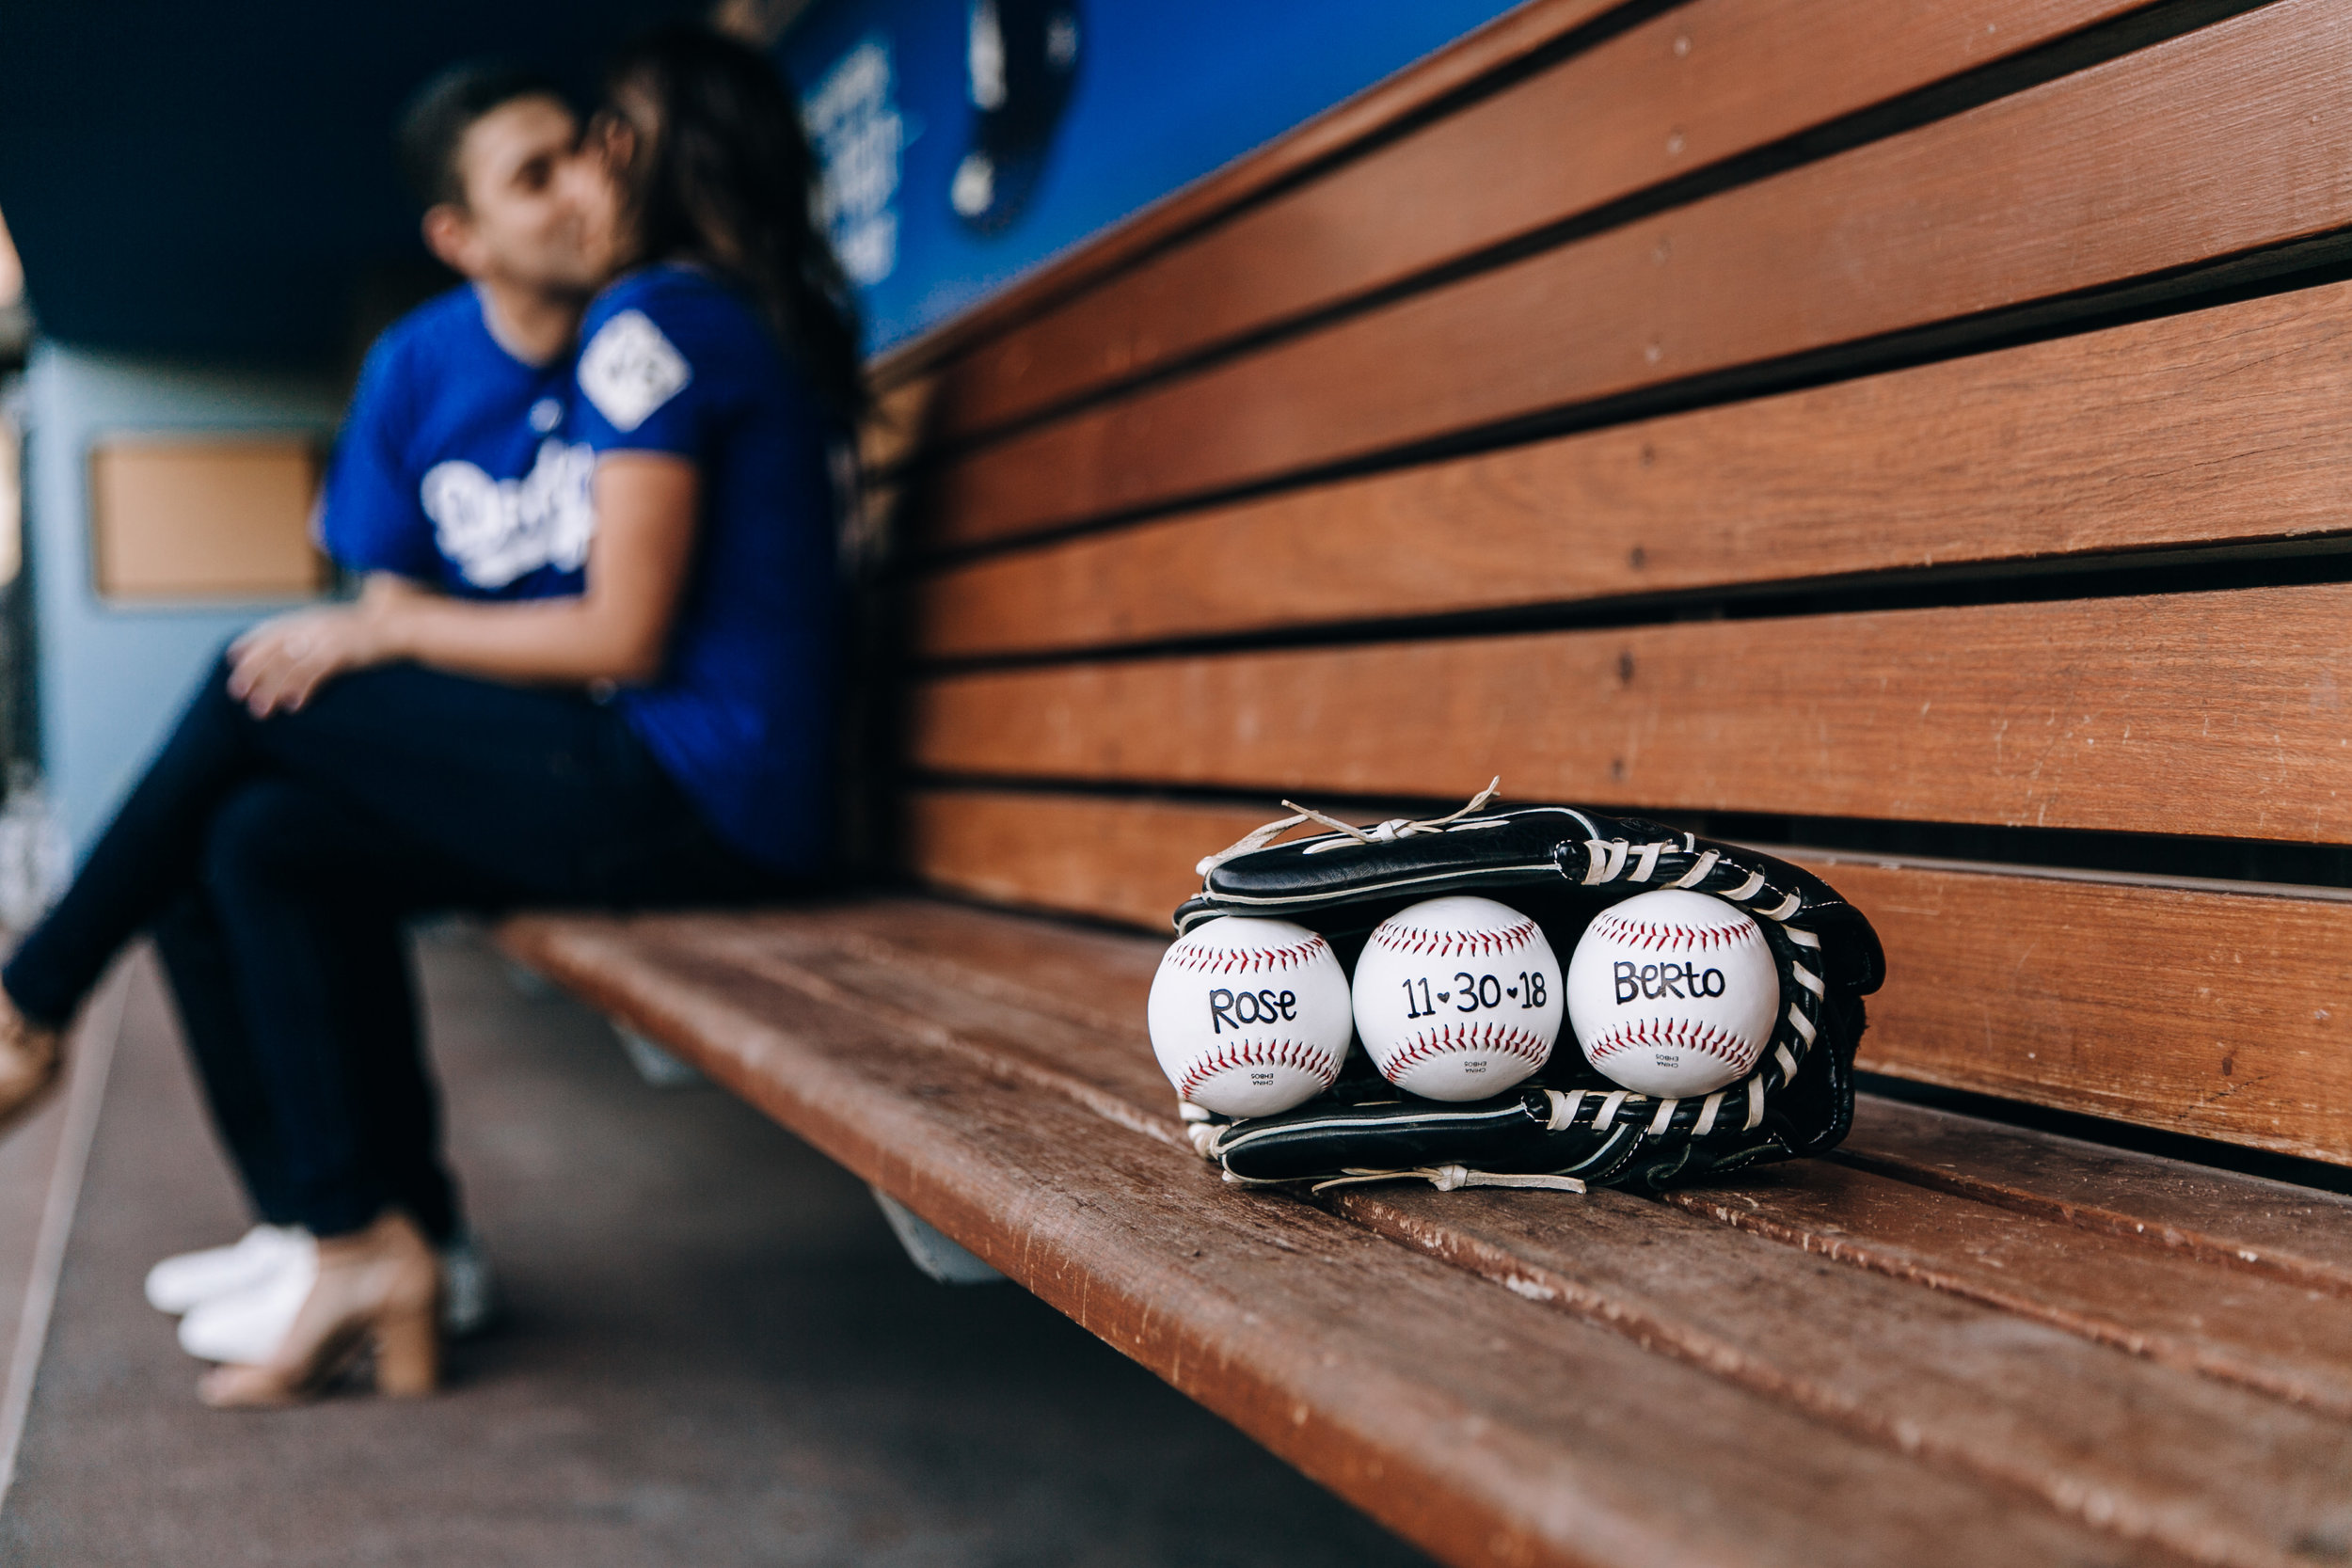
{"type": "Point", "coordinates": [518, 224]}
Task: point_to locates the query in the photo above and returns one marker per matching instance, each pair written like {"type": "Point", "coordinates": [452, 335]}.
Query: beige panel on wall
{"type": "Point", "coordinates": [219, 518]}
{"type": "Point", "coordinates": [11, 498]}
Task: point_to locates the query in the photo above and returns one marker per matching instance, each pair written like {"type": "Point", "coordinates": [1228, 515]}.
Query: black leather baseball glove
{"type": "Point", "coordinates": [1568, 1127]}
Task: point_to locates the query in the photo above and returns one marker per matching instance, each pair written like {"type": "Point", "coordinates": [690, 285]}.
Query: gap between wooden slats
{"type": "Point", "coordinates": [2215, 1014]}
{"type": "Point", "coordinates": [2217, 714]}
{"type": "Point", "coordinates": [2221, 426]}
{"type": "Point", "coordinates": [2206, 146]}
{"type": "Point", "coordinates": [2218, 1473]}
{"type": "Point", "coordinates": [1699, 84]}
{"type": "Point", "coordinates": [2289, 1233]}
{"type": "Point", "coordinates": [2264, 1334]}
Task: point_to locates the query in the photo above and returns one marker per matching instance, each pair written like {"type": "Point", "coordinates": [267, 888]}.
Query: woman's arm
{"type": "Point", "coordinates": [616, 630]}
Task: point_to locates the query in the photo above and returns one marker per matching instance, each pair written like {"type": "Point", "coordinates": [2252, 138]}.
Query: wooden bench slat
{"type": "Point", "coordinates": [1859, 244]}
{"type": "Point", "coordinates": [2076, 993]}
{"type": "Point", "coordinates": [2265, 1334]}
{"type": "Point", "coordinates": [1687, 90]}
{"type": "Point", "coordinates": [1056, 1049]}
{"type": "Point", "coordinates": [1474, 1425]}
{"type": "Point", "coordinates": [2217, 427]}
{"type": "Point", "coordinates": [2191, 713]}
{"type": "Point", "coordinates": [2216, 1472]}
{"type": "Point", "coordinates": [2297, 1234]}
{"type": "Point", "coordinates": [1108, 858]}
{"type": "Point", "coordinates": [2208, 1013]}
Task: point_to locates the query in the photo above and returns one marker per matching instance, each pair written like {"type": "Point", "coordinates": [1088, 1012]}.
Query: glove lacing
{"type": "Point", "coordinates": [1447, 1179]}
{"type": "Point", "coordinates": [1384, 833]}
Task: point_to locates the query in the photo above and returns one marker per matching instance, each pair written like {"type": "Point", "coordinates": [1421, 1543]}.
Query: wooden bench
{"type": "Point", "coordinates": [1909, 437]}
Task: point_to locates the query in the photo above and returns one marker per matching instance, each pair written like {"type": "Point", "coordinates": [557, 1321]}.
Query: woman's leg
{"type": "Point", "coordinates": [144, 862]}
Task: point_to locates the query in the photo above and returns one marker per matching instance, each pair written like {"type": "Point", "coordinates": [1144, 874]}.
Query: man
{"type": "Point", "coordinates": [449, 473]}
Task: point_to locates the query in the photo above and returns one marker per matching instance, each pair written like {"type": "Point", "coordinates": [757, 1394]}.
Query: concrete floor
{"type": "Point", "coordinates": [715, 1355]}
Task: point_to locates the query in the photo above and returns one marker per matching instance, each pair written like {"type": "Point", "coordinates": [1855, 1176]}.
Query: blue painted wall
{"type": "Point", "coordinates": [112, 678]}
{"type": "Point", "coordinates": [1165, 92]}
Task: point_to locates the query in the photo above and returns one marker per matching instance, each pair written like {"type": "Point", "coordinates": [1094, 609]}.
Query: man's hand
{"type": "Point", "coordinates": [280, 663]}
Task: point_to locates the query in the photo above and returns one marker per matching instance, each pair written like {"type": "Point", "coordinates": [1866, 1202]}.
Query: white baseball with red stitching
{"type": "Point", "coordinates": [1673, 993]}
{"type": "Point", "coordinates": [1458, 998]}
{"type": "Point", "coordinates": [1249, 1017]}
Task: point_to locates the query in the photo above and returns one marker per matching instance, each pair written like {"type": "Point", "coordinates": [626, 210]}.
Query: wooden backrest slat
{"type": "Point", "coordinates": [2105, 996]}
{"type": "Point", "coordinates": [2193, 713]}
{"type": "Point", "coordinates": [1503, 45]}
{"type": "Point", "coordinates": [2219, 425]}
{"type": "Point", "coordinates": [2009, 203]}
{"type": "Point", "coordinates": [1693, 87]}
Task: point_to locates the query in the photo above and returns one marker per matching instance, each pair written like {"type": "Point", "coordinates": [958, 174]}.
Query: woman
{"type": "Point", "coordinates": [662, 737]}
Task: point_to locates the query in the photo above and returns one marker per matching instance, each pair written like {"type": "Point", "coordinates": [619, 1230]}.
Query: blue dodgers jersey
{"type": "Point", "coordinates": [743, 715]}
{"type": "Point", "coordinates": [453, 467]}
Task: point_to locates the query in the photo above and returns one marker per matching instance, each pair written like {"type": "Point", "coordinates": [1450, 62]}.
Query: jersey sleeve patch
{"type": "Point", "coordinates": [629, 369]}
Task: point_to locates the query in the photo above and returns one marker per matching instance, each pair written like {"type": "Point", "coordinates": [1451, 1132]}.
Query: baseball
{"type": "Point", "coordinates": [1249, 1017]}
{"type": "Point", "coordinates": [1673, 993]}
{"type": "Point", "coordinates": [1458, 998]}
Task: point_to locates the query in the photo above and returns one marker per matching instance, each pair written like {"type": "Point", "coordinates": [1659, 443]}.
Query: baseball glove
{"type": "Point", "coordinates": [1568, 1126]}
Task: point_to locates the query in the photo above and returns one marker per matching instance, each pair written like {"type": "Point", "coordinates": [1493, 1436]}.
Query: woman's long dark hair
{"type": "Point", "coordinates": [721, 176]}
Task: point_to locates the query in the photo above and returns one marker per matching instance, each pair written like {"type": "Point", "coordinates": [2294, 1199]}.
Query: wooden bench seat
{"type": "Point", "coordinates": [1955, 1342]}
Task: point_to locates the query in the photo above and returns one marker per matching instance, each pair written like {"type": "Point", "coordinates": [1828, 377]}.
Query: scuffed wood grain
{"type": "Point", "coordinates": [2261, 1333]}
{"type": "Point", "coordinates": [2219, 1473]}
{"type": "Point", "coordinates": [2297, 1234]}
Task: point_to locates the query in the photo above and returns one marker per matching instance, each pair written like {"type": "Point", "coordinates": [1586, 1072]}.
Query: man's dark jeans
{"type": "Point", "coordinates": [275, 861]}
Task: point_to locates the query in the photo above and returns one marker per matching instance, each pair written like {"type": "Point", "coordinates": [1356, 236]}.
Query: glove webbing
{"type": "Point", "coordinates": [1669, 864]}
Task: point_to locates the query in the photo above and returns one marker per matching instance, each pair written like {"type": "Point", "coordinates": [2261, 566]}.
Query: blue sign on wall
{"type": "Point", "coordinates": [967, 141]}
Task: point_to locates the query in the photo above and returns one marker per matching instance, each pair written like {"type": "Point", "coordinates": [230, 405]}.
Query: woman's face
{"type": "Point", "coordinates": [597, 182]}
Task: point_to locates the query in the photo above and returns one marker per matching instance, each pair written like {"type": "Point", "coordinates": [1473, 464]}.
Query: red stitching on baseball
{"type": "Point", "coordinates": [1454, 1036]}
{"type": "Point", "coordinates": [1649, 933]}
{"type": "Point", "coordinates": [1688, 1034]}
{"type": "Point", "coordinates": [1424, 942]}
{"type": "Point", "coordinates": [1292, 1054]}
{"type": "Point", "coordinates": [1204, 959]}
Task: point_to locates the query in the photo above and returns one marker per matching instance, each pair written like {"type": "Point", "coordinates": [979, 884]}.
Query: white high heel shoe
{"type": "Point", "coordinates": [375, 1290]}
{"type": "Point", "coordinates": [244, 1325]}
{"type": "Point", "coordinates": [185, 1282]}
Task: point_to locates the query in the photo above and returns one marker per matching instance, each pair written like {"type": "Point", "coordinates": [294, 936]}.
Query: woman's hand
{"type": "Point", "coordinates": [280, 663]}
